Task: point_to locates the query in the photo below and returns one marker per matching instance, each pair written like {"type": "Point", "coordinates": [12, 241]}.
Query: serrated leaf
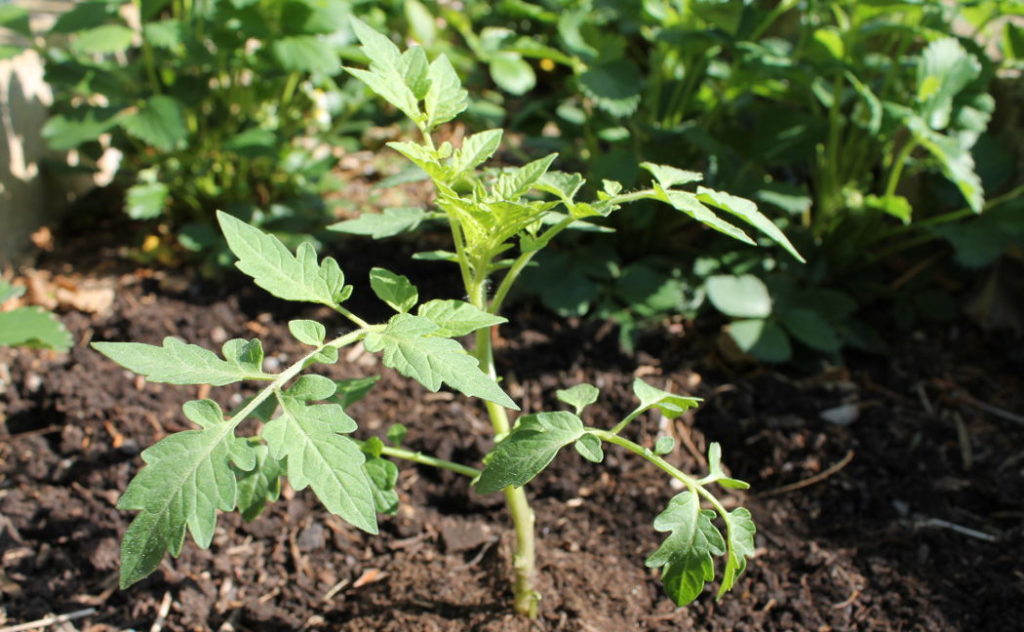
{"type": "Point", "coordinates": [589, 447]}
{"type": "Point", "coordinates": [561, 184]}
{"type": "Point", "coordinates": [165, 34]}
{"type": "Point", "coordinates": [102, 40]}
{"type": "Point", "coordinates": [943, 70]}
{"type": "Point", "coordinates": [740, 531]}
{"type": "Point", "coordinates": [955, 161]}
{"type": "Point", "coordinates": [689, 204]}
{"type": "Point", "coordinates": [176, 362]}
{"type": "Point", "coordinates": [380, 225]}
{"type": "Point", "coordinates": [514, 182]}
{"type": "Point", "coordinates": [445, 98]}
{"type": "Point", "coordinates": [383, 475]}
{"type": "Point", "coordinates": [685, 556]}
{"type": "Point", "coordinates": [668, 176]}
{"type": "Point", "coordinates": [315, 388]}
{"type": "Point", "coordinates": [414, 70]}
{"type": "Point", "coordinates": [82, 16]}
{"type": "Point", "coordinates": [308, 332]}
{"type": "Point", "coordinates": [747, 211]}
{"type": "Point", "coordinates": [386, 74]}
{"type": "Point", "coordinates": [146, 200]}
{"type": "Point", "coordinates": [528, 449]}
{"type": "Point", "coordinates": [187, 478]}
{"type": "Point", "coordinates": [579, 396]}
{"type": "Point", "coordinates": [475, 150]}
{"type": "Point", "coordinates": [67, 132]}
{"type": "Point", "coordinates": [670, 404]}
{"type": "Point", "coordinates": [160, 123]}
{"type": "Point", "coordinates": [306, 53]}
{"type": "Point", "coordinates": [261, 484]}
{"type": "Point", "coordinates": [274, 268]}
{"type": "Point", "coordinates": [744, 296]}
{"type": "Point", "coordinates": [246, 355]}
{"type": "Point", "coordinates": [457, 318]}
{"type": "Point", "coordinates": [394, 289]}
{"type": "Point", "coordinates": [15, 19]}
{"type": "Point", "coordinates": [512, 73]}
{"type": "Point", "coordinates": [319, 457]}
{"type": "Point", "coordinates": [410, 346]}
{"type": "Point", "coordinates": [33, 327]}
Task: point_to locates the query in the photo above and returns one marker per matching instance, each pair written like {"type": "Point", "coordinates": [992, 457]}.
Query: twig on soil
{"type": "Point", "coordinates": [995, 410]}
{"type": "Point", "coordinates": [51, 620]}
{"type": "Point", "coordinates": [161, 614]}
{"type": "Point", "coordinates": [939, 523]}
{"type": "Point", "coordinates": [925, 401]}
{"type": "Point", "coordinates": [807, 482]}
{"type": "Point", "coordinates": [31, 433]}
{"type": "Point", "coordinates": [849, 600]}
{"type": "Point", "coordinates": [335, 589]}
{"type": "Point", "coordinates": [963, 436]}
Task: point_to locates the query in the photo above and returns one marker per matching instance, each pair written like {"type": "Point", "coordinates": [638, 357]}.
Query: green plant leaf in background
{"type": "Point", "coordinates": [943, 70]}
{"type": "Point", "coordinates": [810, 328]}
{"type": "Point", "coordinates": [512, 73]}
{"type": "Point", "coordinates": [613, 86]}
{"type": "Point", "coordinates": [160, 122]}
{"type": "Point", "coordinates": [16, 19]}
{"type": "Point", "coordinates": [388, 223]}
{"type": "Point", "coordinates": [306, 53]}
{"type": "Point", "coordinates": [32, 327]}
{"type": "Point", "coordinates": [105, 39]}
{"type": "Point", "coordinates": [146, 200]}
{"type": "Point", "coordinates": [261, 484]}
{"type": "Point", "coordinates": [743, 296]}
{"type": "Point", "coordinates": [761, 338]}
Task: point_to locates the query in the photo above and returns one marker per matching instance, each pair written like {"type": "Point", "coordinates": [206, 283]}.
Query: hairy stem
{"type": "Point", "coordinates": [433, 461]}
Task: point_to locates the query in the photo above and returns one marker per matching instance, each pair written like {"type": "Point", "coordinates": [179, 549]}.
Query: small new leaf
{"type": "Point", "coordinates": [411, 347]}
{"type": "Point", "coordinates": [589, 447]}
{"type": "Point", "coordinates": [308, 332]}
{"type": "Point", "coordinates": [664, 445]}
{"type": "Point", "coordinates": [176, 363]}
{"type": "Point", "coordinates": [475, 150]}
{"type": "Point", "coordinates": [394, 289]}
{"type": "Point", "coordinates": [669, 404]}
{"type": "Point", "coordinates": [387, 73]}
{"type": "Point", "coordinates": [274, 268]}
{"type": "Point", "coordinates": [685, 556]}
{"type": "Point", "coordinates": [528, 449]}
{"type": "Point", "coordinates": [261, 484]}
{"type": "Point", "coordinates": [579, 396]}
{"type": "Point", "coordinates": [445, 98]}
{"type": "Point", "coordinates": [457, 318]}
{"type": "Point", "coordinates": [319, 457]}
{"type": "Point", "coordinates": [312, 388]}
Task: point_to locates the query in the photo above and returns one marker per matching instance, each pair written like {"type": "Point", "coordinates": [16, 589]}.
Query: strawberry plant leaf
{"type": "Point", "coordinates": [308, 332]}
{"type": "Point", "coordinates": [943, 70]}
{"type": "Point", "coordinates": [394, 289]}
{"type": "Point", "coordinates": [685, 556]}
{"type": "Point", "coordinates": [589, 447]}
{"type": "Point", "coordinates": [457, 318]}
{"type": "Point", "coordinates": [187, 478]}
{"type": "Point", "coordinates": [380, 225]}
{"type": "Point", "coordinates": [669, 404]}
{"type": "Point", "coordinates": [274, 268]}
{"type": "Point", "coordinates": [740, 529]}
{"type": "Point", "coordinates": [512, 73]}
{"type": "Point", "coordinates": [261, 484]}
{"type": "Point", "coordinates": [321, 458]}
{"type": "Point", "coordinates": [528, 449]}
{"type": "Point", "coordinates": [160, 123]}
{"type": "Point", "coordinates": [177, 362]}
{"type": "Point", "coordinates": [146, 200]}
{"type": "Point", "coordinates": [410, 346]}
{"type": "Point", "coordinates": [579, 396]}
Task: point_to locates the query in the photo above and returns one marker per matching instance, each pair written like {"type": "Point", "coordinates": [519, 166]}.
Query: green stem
{"type": "Point", "coordinates": [625, 422]}
{"type": "Point", "coordinates": [639, 450]}
{"type": "Point", "coordinates": [897, 167]}
{"type": "Point", "coordinates": [520, 264]}
{"type": "Point", "coordinates": [426, 459]}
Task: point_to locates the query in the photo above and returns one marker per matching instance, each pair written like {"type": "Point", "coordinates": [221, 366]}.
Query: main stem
{"type": "Point", "coordinates": [524, 556]}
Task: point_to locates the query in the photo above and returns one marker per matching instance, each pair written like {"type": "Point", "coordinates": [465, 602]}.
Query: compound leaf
{"type": "Point", "coordinates": [177, 362]}
{"type": "Point", "coordinates": [528, 449]}
{"type": "Point", "coordinates": [411, 347]}
{"type": "Point", "coordinates": [457, 318]}
{"type": "Point", "coordinates": [685, 556]}
{"type": "Point", "coordinates": [274, 268]}
{"type": "Point", "coordinates": [319, 457]}
{"type": "Point", "coordinates": [187, 478]}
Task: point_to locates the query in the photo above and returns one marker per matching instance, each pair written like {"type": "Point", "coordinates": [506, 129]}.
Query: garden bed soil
{"type": "Point", "coordinates": [908, 517]}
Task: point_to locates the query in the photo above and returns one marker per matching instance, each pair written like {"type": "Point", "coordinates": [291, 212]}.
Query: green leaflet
{"type": "Point", "coordinates": [33, 327]}
{"type": "Point", "coordinates": [668, 176]}
{"type": "Point", "coordinates": [589, 447]}
{"type": "Point", "coordinates": [177, 362]}
{"type": "Point", "coordinates": [306, 53]}
{"type": "Point", "coordinates": [528, 449]}
{"type": "Point", "coordinates": [445, 98]}
{"type": "Point", "coordinates": [516, 181]}
{"type": "Point", "coordinates": [943, 70]}
{"type": "Point", "coordinates": [475, 150]}
{"type": "Point", "coordinates": [457, 318]}
{"type": "Point", "coordinates": [740, 529]}
{"type": "Point", "coordinates": [744, 296]}
{"type": "Point", "coordinates": [274, 268]}
{"type": "Point", "coordinates": [383, 476]}
{"type": "Point", "coordinates": [321, 458]}
{"type": "Point", "coordinates": [386, 75]}
{"type": "Point", "coordinates": [261, 484]}
{"type": "Point", "coordinates": [685, 556]}
{"type": "Point", "coordinates": [394, 289]}
{"type": "Point", "coordinates": [689, 204]}
{"type": "Point", "coordinates": [669, 404]}
{"type": "Point", "coordinates": [160, 123]}
{"type": "Point", "coordinates": [308, 332]}
{"type": "Point", "coordinates": [579, 396]}
{"type": "Point", "coordinates": [187, 478]}
{"type": "Point", "coordinates": [146, 200]}
{"type": "Point", "coordinates": [410, 346]}
{"type": "Point", "coordinates": [747, 211]}
{"type": "Point", "coordinates": [380, 225]}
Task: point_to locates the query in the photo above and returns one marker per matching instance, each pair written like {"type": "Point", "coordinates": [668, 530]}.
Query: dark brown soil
{"type": "Point", "coordinates": [921, 529]}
